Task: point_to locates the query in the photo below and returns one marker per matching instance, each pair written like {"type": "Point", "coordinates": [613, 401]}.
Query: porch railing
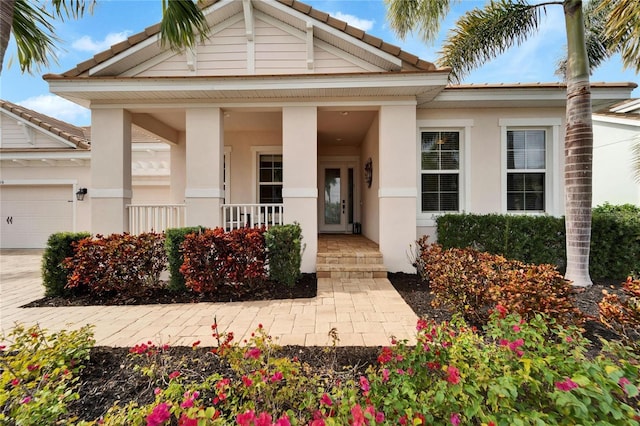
{"type": "Point", "coordinates": [236, 216]}
{"type": "Point", "coordinates": [155, 217]}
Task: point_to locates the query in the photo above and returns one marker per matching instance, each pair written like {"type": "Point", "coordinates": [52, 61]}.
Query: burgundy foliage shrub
{"type": "Point", "coordinates": [119, 262]}
{"type": "Point", "coordinates": [215, 258]}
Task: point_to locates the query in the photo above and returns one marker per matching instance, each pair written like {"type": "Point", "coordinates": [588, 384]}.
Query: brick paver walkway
{"type": "Point", "coordinates": [364, 312]}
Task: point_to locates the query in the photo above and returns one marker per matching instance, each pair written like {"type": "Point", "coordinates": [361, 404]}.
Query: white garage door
{"type": "Point", "coordinates": [29, 214]}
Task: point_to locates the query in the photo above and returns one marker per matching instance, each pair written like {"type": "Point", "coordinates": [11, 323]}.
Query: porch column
{"type": "Point", "coordinates": [178, 169]}
{"type": "Point", "coordinates": [300, 176]}
{"type": "Point", "coordinates": [204, 155]}
{"type": "Point", "coordinates": [398, 188]}
{"type": "Point", "coordinates": [110, 190]}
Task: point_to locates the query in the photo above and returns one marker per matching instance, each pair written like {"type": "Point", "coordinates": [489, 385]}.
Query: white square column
{"type": "Point", "coordinates": [204, 192]}
{"type": "Point", "coordinates": [398, 192]}
{"type": "Point", "coordinates": [110, 190]}
{"type": "Point", "coordinates": [300, 176]}
{"type": "Point", "coordinates": [178, 178]}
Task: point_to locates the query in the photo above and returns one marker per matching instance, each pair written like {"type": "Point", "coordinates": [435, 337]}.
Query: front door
{"type": "Point", "coordinates": [336, 207]}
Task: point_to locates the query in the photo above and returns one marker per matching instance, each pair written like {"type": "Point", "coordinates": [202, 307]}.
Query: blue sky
{"type": "Point", "coordinates": [114, 20]}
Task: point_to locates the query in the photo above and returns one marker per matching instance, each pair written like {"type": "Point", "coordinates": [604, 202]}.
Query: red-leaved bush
{"type": "Point", "coordinates": [473, 283]}
{"type": "Point", "coordinates": [119, 262]}
{"type": "Point", "coordinates": [215, 258]}
{"type": "Point", "coordinates": [623, 314]}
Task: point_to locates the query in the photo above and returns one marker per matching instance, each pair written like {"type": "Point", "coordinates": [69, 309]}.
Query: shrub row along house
{"type": "Point", "coordinates": [287, 114]}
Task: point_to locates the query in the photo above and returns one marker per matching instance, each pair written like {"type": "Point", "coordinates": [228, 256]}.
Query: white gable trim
{"type": "Point", "coordinates": [33, 127]}
{"type": "Point", "coordinates": [617, 120]}
{"type": "Point", "coordinates": [133, 49]}
{"type": "Point", "coordinates": [337, 33]}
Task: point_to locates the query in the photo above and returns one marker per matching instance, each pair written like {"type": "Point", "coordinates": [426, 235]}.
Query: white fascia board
{"type": "Point", "coordinates": [337, 33]}
{"type": "Point", "coordinates": [269, 83]}
{"type": "Point", "coordinates": [515, 93]}
{"type": "Point", "coordinates": [39, 129]}
{"type": "Point", "coordinates": [617, 120]}
{"type": "Point", "coordinates": [83, 155]}
{"type": "Point", "coordinates": [632, 105]}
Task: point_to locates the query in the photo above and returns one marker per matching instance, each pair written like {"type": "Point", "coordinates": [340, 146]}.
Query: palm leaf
{"type": "Point", "coordinates": [34, 35]}
{"type": "Point", "coordinates": [424, 15]}
{"type": "Point", "coordinates": [71, 8]}
{"type": "Point", "coordinates": [482, 34]}
{"type": "Point", "coordinates": [182, 23]}
{"type": "Point", "coordinates": [623, 28]}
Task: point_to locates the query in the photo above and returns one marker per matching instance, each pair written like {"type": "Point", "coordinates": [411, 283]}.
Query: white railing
{"type": "Point", "coordinates": [236, 216]}
{"type": "Point", "coordinates": [155, 217]}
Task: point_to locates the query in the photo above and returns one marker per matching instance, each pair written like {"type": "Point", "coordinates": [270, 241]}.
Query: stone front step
{"type": "Point", "coordinates": [351, 270]}
{"type": "Point", "coordinates": [357, 258]}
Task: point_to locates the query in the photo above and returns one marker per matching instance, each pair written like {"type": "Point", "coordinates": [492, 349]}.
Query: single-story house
{"type": "Point", "coordinates": [287, 114]}
{"type": "Point", "coordinates": [616, 133]}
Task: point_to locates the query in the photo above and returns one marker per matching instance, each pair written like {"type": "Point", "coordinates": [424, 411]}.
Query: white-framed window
{"type": "Point", "coordinates": [526, 170]}
{"type": "Point", "coordinates": [440, 171]}
{"type": "Point", "coordinates": [531, 160]}
{"type": "Point", "coordinates": [268, 177]}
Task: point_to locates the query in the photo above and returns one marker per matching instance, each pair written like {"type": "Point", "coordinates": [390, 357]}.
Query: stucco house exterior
{"type": "Point", "coordinates": [616, 131]}
{"type": "Point", "coordinates": [44, 162]}
{"type": "Point", "coordinates": [287, 114]}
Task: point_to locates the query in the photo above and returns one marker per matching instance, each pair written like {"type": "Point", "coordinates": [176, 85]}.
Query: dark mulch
{"type": "Point", "coordinates": [110, 376]}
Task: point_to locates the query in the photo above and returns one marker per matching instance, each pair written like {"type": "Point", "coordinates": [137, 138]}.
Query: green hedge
{"type": "Point", "coordinates": [615, 242]}
{"type": "Point", "coordinates": [284, 252]}
{"type": "Point", "coordinates": [173, 244]}
{"type": "Point", "coordinates": [54, 274]}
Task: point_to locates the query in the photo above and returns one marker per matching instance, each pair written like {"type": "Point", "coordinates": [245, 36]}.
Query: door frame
{"type": "Point", "coordinates": [344, 163]}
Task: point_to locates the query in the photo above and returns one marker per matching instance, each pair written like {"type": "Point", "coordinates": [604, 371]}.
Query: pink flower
{"type": "Point", "coordinates": [502, 311]}
{"type": "Point", "coordinates": [379, 417]}
{"type": "Point", "coordinates": [25, 400]}
{"type": "Point", "coordinates": [264, 419]}
{"type": "Point", "coordinates": [422, 324]}
{"type": "Point", "coordinates": [247, 381]}
{"type": "Point", "coordinates": [188, 402]}
{"type": "Point", "coordinates": [623, 382]}
{"type": "Point", "coordinates": [385, 375]}
{"type": "Point", "coordinates": [3, 347]}
{"type": "Point", "coordinates": [357, 414]}
{"type": "Point", "coordinates": [283, 421]}
{"type": "Point", "coordinates": [455, 419]}
{"type": "Point", "coordinates": [277, 376]}
{"type": "Point", "coordinates": [453, 375]}
{"type": "Point", "coordinates": [503, 342]}
{"type": "Point", "coordinates": [33, 367]}
{"type": "Point", "coordinates": [326, 400]}
{"type": "Point", "coordinates": [253, 353]}
{"type": "Point", "coordinates": [157, 391]}
{"type": "Point", "coordinates": [364, 385]}
{"type": "Point", "coordinates": [15, 382]}
{"type": "Point", "coordinates": [317, 422]}
{"type": "Point", "coordinates": [195, 344]}
{"type": "Point", "coordinates": [516, 328]}
{"type": "Point", "coordinates": [516, 344]}
{"type": "Point", "coordinates": [567, 385]}
{"type": "Point", "coordinates": [159, 415]}
{"type": "Point", "coordinates": [187, 421]}
{"type": "Point", "coordinates": [174, 375]}
{"type": "Point", "coordinates": [246, 418]}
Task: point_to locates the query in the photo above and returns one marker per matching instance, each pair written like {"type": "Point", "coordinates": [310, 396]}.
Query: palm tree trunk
{"type": "Point", "coordinates": [578, 149]}
{"type": "Point", "coordinates": [6, 21]}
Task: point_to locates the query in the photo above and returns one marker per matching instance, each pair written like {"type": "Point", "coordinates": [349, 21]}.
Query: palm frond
{"type": "Point", "coordinates": [71, 8]}
{"type": "Point", "coordinates": [425, 16]}
{"type": "Point", "coordinates": [182, 23]}
{"type": "Point", "coordinates": [623, 29]}
{"type": "Point", "coordinates": [482, 34]}
{"type": "Point", "coordinates": [34, 35]}
{"type": "Point", "coordinates": [599, 46]}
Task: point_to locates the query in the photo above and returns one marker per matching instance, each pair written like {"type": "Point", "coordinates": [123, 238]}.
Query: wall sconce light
{"type": "Point", "coordinates": [81, 193]}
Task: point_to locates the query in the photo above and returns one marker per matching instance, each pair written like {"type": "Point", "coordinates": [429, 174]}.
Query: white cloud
{"type": "Point", "coordinates": [354, 21]}
{"type": "Point", "coordinates": [57, 107]}
{"type": "Point", "coordinates": [88, 44]}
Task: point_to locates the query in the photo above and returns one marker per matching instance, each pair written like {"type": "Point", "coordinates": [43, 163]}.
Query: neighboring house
{"type": "Point", "coordinates": [44, 162]}
{"type": "Point", "coordinates": [286, 113]}
{"type": "Point", "coordinates": [616, 131]}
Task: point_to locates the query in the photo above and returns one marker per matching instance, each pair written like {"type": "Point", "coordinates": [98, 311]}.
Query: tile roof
{"type": "Point", "coordinates": [560, 85]}
{"type": "Point", "coordinates": [67, 131]}
{"type": "Point", "coordinates": [294, 4]}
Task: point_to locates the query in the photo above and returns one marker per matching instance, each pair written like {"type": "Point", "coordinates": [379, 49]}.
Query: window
{"type": "Point", "coordinates": [526, 170]}
{"type": "Point", "coordinates": [440, 171]}
{"type": "Point", "coordinates": [270, 178]}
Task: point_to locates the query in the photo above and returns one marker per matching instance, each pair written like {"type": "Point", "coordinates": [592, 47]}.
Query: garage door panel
{"type": "Point", "coordinates": [34, 213]}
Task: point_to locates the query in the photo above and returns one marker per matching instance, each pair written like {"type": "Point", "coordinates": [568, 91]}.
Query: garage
{"type": "Point", "coordinates": [30, 213]}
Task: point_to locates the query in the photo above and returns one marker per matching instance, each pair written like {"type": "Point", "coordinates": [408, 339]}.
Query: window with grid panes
{"type": "Point", "coordinates": [526, 170]}
{"type": "Point", "coordinates": [440, 171]}
{"type": "Point", "coordinates": [270, 178]}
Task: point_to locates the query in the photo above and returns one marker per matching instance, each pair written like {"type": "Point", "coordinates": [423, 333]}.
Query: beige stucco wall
{"type": "Point", "coordinates": [613, 180]}
{"type": "Point", "coordinates": [370, 208]}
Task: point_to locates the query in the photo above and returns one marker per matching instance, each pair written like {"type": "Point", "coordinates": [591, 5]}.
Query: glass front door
{"type": "Point", "coordinates": [336, 207]}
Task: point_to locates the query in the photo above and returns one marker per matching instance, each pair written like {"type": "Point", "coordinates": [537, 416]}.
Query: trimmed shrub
{"type": "Point", "coordinates": [284, 253]}
{"type": "Point", "coordinates": [473, 283]}
{"type": "Point", "coordinates": [215, 258]}
{"type": "Point", "coordinates": [119, 262]}
{"type": "Point", "coordinates": [173, 244]}
{"type": "Point", "coordinates": [54, 273]}
{"type": "Point", "coordinates": [615, 238]}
